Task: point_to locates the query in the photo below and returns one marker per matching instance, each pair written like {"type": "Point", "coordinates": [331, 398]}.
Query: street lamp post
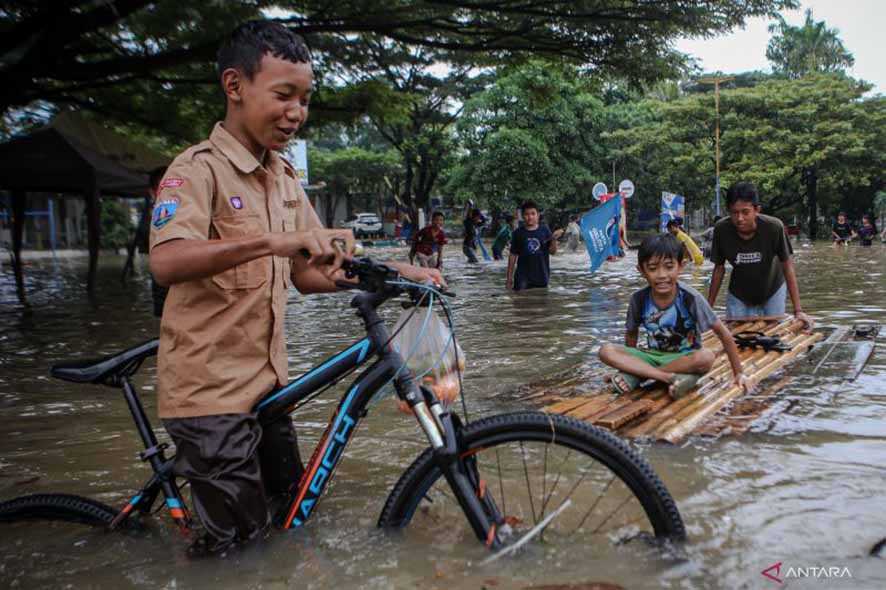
{"type": "Point", "coordinates": [715, 80]}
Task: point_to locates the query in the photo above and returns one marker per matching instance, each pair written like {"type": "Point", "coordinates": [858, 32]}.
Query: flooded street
{"type": "Point", "coordinates": [804, 487]}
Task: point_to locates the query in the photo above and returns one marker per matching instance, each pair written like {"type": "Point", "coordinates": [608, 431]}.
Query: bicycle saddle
{"type": "Point", "coordinates": [106, 370]}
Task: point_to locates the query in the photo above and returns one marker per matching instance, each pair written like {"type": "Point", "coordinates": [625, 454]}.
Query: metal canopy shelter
{"type": "Point", "coordinates": [73, 155]}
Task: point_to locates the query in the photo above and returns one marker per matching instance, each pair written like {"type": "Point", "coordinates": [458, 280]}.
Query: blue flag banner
{"type": "Point", "coordinates": [599, 228]}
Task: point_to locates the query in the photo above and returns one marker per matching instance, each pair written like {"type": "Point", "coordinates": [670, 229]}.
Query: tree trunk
{"type": "Point", "coordinates": [408, 180]}
{"type": "Point", "coordinates": [93, 204]}
{"type": "Point", "coordinates": [330, 209]}
{"type": "Point", "coordinates": [811, 177]}
{"type": "Point", "coordinates": [18, 226]}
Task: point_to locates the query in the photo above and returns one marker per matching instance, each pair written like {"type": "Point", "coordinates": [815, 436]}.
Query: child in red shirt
{"type": "Point", "coordinates": [428, 242]}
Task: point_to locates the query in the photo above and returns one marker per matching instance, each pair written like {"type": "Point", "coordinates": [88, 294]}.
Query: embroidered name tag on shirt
{"type": "Point", "coordinates": [290, 204]}
{"type": "Point", "coordinates": [170, 183]}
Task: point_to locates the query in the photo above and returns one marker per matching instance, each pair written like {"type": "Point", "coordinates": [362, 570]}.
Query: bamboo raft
{"type": "Point", "coordinates": [714, 407]}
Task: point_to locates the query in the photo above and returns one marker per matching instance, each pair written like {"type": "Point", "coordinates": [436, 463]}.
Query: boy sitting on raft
{"type": "Point", "coordinates": [674, 316]}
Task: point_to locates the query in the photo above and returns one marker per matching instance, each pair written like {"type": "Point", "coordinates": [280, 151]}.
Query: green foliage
{"type": "Point", "coordinates": [352, 169]}
{"type": "Point", "coordinates": [807, 49]}
{"type": "Point", "coordinates": [531, 135]}
{"type": "Point", "coordinates": [116, 225]}
{"type": "Point", "coordinates": [354, 175]}
{"type": "Point", "coordinates": [779, 134]}
{"type": "Point", "coordinates": [151, 63]}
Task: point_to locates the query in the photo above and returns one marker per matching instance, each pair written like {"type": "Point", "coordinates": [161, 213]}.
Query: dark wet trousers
{"type": "Point", "coordinates": [234, 466]}
{"type": "Point", "coordinates": [471, 252]}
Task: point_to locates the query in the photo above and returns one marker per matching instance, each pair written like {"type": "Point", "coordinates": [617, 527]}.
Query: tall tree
{"type": "Point", "coordinates": [420, 91]}
{"type": "Point", "coordinates": [805, 143]}
{"type": "Point", "coordinates": [807, 49]}
{"type": "Point", "coordinates": [533, 134]}
{"type": "Point", "coordinates": [353, 174]}
{"type": "Point", "coordinates": [150, 61]}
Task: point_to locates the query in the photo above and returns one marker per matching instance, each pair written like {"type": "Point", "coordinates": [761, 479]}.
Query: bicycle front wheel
{"type": "Point", "coordinates": [536, 465]}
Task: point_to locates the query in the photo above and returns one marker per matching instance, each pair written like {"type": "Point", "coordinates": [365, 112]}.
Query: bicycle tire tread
{"type": "Point", "coordinates": [605, 443]}
{"type": "Point", "coordinates": [60, 507]}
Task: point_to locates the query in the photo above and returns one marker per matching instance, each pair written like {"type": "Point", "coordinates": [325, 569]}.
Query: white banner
{"type": "Point", "coordinates": [299, 151]}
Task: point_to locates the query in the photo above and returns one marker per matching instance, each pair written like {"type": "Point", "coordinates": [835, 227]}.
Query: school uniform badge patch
{"type": "Point", "coordinates": [236, 202]}
{"type": "Point", "coordinates": [163, 213]}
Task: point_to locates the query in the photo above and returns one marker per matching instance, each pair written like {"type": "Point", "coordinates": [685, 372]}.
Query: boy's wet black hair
{"type": "Point", "coordinates": [249, 42]}
{"type": "Point", "coordinates": [437, 214]}
{"type": "Point", "coordinates": [675, 222]}
{"type": "Point", "coordinates": [742, 191]}
{"type": "Point", "coordinates": [528, 205]}
{"type": "Point", "coordinates": [660, 246]}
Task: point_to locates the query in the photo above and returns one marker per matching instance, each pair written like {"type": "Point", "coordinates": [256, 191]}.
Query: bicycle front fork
{"type": "Point", "coordinates": [460, 469]}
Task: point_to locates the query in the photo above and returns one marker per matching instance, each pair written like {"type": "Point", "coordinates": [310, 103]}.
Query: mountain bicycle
{"type": "Point", "coordinates": [513, 477]}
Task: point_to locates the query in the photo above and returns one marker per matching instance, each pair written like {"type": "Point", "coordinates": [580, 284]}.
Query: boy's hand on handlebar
{"type": "Point", "coordinates": [322, 247]}
{"type": "Point", "coordinates": [418, 274]}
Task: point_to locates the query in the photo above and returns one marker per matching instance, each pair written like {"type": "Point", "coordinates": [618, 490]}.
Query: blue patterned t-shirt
{"type": "Point", "coordinates": [676, 328]}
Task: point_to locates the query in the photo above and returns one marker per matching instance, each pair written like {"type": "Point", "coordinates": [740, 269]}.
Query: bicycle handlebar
{"type": "Point", "coordinates": [379, 278]}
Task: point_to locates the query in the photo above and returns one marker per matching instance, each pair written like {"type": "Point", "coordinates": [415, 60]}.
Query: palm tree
{"type": "Point", "coordinates": [813, 47]}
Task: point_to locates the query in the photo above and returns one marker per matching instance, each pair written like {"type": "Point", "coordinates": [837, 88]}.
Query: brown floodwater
{"type": "Point", "coordinates": [804, 487]}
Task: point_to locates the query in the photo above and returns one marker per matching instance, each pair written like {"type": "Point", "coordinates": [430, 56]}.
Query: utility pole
{"type": "Point", "coordinates": [716, 80]}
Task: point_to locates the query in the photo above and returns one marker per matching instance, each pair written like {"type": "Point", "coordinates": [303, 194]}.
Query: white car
{"type": "Point", "coordinates": [364, 224]}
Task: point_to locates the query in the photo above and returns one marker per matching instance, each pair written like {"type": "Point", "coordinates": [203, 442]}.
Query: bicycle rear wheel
{"type": "Point", "coordinates": [60, 507]}
{"type": "Point", "coordinates": [534, 465]}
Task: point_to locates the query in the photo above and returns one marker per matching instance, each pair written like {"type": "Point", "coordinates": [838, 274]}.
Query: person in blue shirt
{"type": "Point", "coordinates": [529, 265]}
{"type": "Point", "coordinates": [674, 317]}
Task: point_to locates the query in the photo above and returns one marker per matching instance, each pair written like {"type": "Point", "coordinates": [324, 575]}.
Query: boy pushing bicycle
{"type": "Point", "coordinates": [229, 225]}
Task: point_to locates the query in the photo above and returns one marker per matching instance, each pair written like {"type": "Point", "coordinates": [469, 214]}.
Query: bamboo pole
{"type": "Point", "coordinates": [620, 417]}
{"type": "Point", "coordinates": [701, 398]}
{"type": "Point", "coordinates": [679, 431]}
{"type": "Point", "coordinates": [722, 365]}
{"type": "Point", "coordinates": [641, 404]}
{"type": "Point", "coordinates": [741, 424]}
{"type": "Point", "coordinates": [590, 409]}
{"type": "Point", "coordinates": [566, 405]}
{"type": "Point", "coordinates": [720, 374]}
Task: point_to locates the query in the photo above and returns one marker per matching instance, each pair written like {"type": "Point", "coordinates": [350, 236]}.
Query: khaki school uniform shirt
{"type": "Point", "coordinates": [222, 346]}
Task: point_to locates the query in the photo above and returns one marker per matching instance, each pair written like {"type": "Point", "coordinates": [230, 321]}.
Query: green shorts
{"type": "Point", "coordinates": [656, 358]}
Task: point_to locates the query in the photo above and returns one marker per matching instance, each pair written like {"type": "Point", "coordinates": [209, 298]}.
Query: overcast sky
{"type": "Point", "coordinates": [861, 25]}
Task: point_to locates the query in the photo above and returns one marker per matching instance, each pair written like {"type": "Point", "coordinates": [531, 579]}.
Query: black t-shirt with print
{"type": "Point", "coordinates": [534, 262]}
{"type": "Point", "coordinates": [843, 230]}
{"type": "Point", "coordinates": [756, 263]}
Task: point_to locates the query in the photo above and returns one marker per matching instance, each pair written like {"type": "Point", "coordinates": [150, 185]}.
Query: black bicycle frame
{"type": "Point", "coordinates": [438, 426]}
{"type": "Point", "coordinates": [388, 366]}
